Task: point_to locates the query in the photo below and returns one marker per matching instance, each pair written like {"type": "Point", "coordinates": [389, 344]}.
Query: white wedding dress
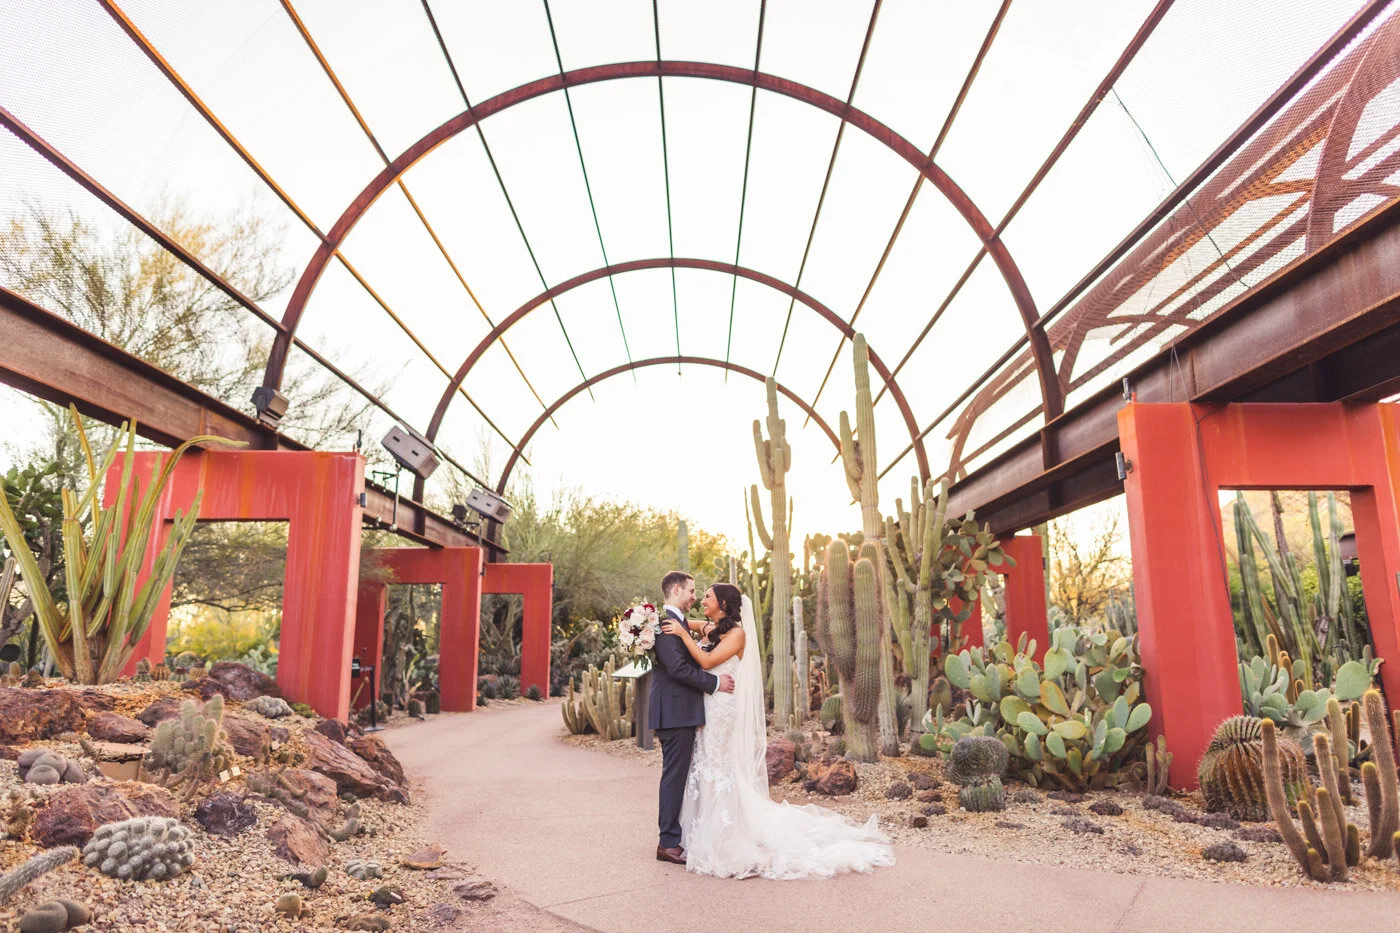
{"type": "Point", "coordinates": [730, 827]}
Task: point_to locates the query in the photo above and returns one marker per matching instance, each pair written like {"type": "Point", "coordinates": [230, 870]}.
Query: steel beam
{"type": "Point", "coordinates": [1338, 307]}
{"type": "Point", "coordinates": [51, 358]}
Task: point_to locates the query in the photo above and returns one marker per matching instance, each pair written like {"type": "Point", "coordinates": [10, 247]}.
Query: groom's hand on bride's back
{"type": "Point", "coordinates": [726, 683]}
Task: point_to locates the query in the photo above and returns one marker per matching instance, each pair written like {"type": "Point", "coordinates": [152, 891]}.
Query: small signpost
{"type": "Point", "coordinates": [640, 696]}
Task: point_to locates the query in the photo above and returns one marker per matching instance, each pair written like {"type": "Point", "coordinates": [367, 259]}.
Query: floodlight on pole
{"type": "Point", "coordinates": [411, 451]}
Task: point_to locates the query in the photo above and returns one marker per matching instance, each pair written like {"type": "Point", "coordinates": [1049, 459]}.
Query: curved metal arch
{"type": "Point", "coordinates": [679, 263]}
{"type": "Point", "coordinates": [641, 364]}
{"type": "Point", "coordinates": [1049, 384]}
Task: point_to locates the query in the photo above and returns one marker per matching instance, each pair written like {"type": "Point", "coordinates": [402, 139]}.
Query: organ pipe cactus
{"type": "Point", "coordinates": [1328, 844]}
{"type": "Point", "coordinates": [682, 547]}
{"type": "Point", "coordinates": [774, 460]}
{"type": "Point", "coordinates": [940, 567]}
{"type": "Point", "coordinates": [108, 608]}
{"type": "Point", "coordinates": [607, 702]}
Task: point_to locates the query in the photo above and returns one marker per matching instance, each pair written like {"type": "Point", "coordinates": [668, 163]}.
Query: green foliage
{"type": "Point", "coordinates": [33, 493]}
{"type": "Point", "coordinates": [93, 635]}
{"type": "Point", "coordinates": [1075, 723]}
{"type": "Point", "coordinates": [1266, 689]}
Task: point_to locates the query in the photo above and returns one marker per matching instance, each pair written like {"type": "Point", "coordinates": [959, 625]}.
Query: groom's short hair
{"type": "Point", "coordinates": [672, 580]}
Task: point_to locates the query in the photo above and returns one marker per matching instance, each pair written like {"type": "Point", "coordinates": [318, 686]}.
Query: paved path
{"type": "Point", "coordinates": [573, 831]}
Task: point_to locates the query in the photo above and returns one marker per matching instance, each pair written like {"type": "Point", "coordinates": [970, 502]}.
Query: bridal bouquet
{"type": "Point", "coordinates": [637, 631]}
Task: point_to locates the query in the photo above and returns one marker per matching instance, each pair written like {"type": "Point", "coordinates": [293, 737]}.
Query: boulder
{"type": "Point", "coordinates": [296, 840]}
{"type": "Point", "coordinates": [373, 750]}
{"type": "Point", "coordinates": [235, 681]}
{"type": "Point", "coordinates": [475, 890]}
{"type": "Point", "coordinates": [317, 791]}
{"type": "Point", "coordinates": [331, 729]}
{"type": "Point", "coordinates": [26, 715]}
{"type": "Point", "coordinates": [781, 759]}
{"type": "Point", "coordinates": [834, 777]}
{"type": "Point", "coordinates": [167, 707]}
{"type": "Point", "coordinates": [349, 771]}
{"type": "Point", "coordinates": [123, 730]}
{"type": "Point", "coordinates": [225, 815]}
{"type": "Point", "coordinates": [248, 734]}
{"type": "Point", "coordinates": [95, 701]}
{"type": "Point", "coordinates": [73, 815]}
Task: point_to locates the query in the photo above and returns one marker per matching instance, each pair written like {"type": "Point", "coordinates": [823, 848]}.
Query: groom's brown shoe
{"type": "Point", "coordinates": [674, 855]}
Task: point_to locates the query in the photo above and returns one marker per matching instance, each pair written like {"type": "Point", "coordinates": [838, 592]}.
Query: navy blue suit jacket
{"type": "Point", "coordinates": [678, 686]}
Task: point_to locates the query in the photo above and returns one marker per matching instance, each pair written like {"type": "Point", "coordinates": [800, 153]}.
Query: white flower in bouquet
{"type": "Point", "coordinates": [637, 631]}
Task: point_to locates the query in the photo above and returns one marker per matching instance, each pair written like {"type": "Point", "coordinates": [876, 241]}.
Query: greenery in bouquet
{"type": "Point", "coordinates": [637, 630]}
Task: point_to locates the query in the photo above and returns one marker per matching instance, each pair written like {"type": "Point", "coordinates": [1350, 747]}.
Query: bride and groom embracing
{"type": "Point", "coordinates": [707, 708]}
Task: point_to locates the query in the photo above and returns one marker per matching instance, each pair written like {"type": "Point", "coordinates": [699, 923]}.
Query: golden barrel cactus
{"type": "Point", "coordinates": [1232, 770]}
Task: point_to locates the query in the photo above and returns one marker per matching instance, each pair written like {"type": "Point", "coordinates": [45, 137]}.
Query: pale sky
{"type": "Point", "coordinates": [75, 78]}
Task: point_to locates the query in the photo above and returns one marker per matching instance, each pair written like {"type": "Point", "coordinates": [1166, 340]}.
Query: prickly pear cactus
{"type": "Point", "coordinates": [148, 848]}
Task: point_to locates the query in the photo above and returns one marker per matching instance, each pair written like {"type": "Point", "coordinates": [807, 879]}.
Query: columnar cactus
{"type": "Point", "coordinates": [859, 458]}
{"type": "Point", "coordinates": [774, 460]}
{"type": "Point", "coordinates": [608, 703]}
{"type": "Point", "coordinates": [1331, 843]}
{"type": "Point", "coordinates": [801, 685]}
{"type": "Point", "coordinates": [682, 547]}
{"type": "Point", "coordinates": [147, 848]}
{"type": "Point", "coordinates": [854, 647]}
{"type": "Point", "coordinates": [1382, 788]}
{"type": "Point", "coordinates": [937, 563]}
{"type": "Point", "coordinates": [41, 864]}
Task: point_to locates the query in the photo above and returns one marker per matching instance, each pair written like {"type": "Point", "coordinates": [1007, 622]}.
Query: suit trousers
{"type": "Point", "coordinates": [677, 746]}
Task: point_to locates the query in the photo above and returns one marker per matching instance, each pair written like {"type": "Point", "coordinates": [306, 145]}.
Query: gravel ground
{"type": "Point", "coordinates": [235, 881]}
{"type": "Point", "coordinates": [1141, 841]}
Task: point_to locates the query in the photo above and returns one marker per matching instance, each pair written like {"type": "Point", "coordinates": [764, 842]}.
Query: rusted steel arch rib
{"type": "Point", "coordinates": [640, 364]}
{"type": "Point", "coordinates": [1049, 384]}
{"type": "Point", "coordinates": [708, 265]}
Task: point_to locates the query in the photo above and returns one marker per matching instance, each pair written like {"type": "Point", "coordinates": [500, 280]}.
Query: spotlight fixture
{"type": "Point", "coordinates": [488, 505]}
{"type": "Point", "coordinates": [411, 450]}
{"type": "Point", "coordinates": [270, 405]}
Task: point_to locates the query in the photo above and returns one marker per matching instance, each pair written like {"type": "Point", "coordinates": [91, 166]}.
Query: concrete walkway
{"type": "Point", "coordinates": [573, 832]}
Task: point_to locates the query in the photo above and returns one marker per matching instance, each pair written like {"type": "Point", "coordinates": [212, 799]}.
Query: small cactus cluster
{"type": "Point", "coordinates": [14, 674]}
{"type": "Point", "coordinates": [160, 672]}
{"type": "Point", "coordinates": [976, 765]}
{"type": "Point", "coordinates": [432, 703]}
{"type": "Point", "coordinates": [352, 825]}
{"type": "Point", "coordinates": [1232, 770]}
{"type": "Point", "coordinates": [190, 749]}
{"type": "Point", "coordinates": [55, 916]}
{"type": "Point", "coordinates": [291, 905]}
{"type": "Point", "coordinates": [831, 714]}
{"type": "Point", "coordinates": [363, 869]}
{"type": "Point", "coordinates": [43, 766]}
{"type": "Point", "coordinates": [147, 848]}
{"type": "Point", "coordinates": [269, 707]}
{"type": "Point", "coordinates": [32, 870]}
{"type": "Point", "coordinates": [17, 813]}
{"type": "Point", "coordinates": [33, 680]}
{"type": "Point", "coordinates": [142, 673]}
{"type": "Point", "coordinates": [414, 708]}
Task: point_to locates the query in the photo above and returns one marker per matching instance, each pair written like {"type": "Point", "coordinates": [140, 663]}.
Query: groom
{"type": "Point", "coordinates": [677, 707]}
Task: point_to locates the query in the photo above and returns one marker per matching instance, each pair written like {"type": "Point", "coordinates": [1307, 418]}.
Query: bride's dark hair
{"type": "Point", "coordinates": [731, 601]}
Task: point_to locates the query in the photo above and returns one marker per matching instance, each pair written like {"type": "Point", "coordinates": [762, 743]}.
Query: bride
{"type": "Point", "coordinates": [730, 827]}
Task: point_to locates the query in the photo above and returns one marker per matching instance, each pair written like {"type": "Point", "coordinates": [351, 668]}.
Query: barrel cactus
{"type": "Point", "coordinates": [147, 848]}
{"type": "Point", "coordinates": [976, 764]}
{"type": "Point", "coordinates": [831, 713]}
{"type": "Point", "coordinates": [1232, 770]}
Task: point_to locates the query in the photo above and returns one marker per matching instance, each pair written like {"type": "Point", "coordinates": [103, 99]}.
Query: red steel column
{"type": "Point", "coordinates": [317, 494]}
{"type": "Point", "coordinates": [370, 603]}
{"type": "Point", "coordinates": [1375, 512]}
{"type": "Point", "coordinates": [535, 583]}
{"type": "Point", "coordinates": [459, 639]}
{"type": "Point", "coordinates": [321, 497]}
{"type": "Point", "coordinates": [1026, 612]}
{"type": "Point", "coordinates": [1186, 632]}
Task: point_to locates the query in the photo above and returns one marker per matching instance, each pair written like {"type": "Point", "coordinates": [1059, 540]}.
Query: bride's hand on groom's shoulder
{"type": "Point", "coordinates": [672, 627]}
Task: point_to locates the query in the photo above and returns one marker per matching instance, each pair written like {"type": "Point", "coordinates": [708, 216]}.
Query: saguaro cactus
{"type": "Point", "coordinates": [800, 696]}
{"type": "Point", "coordinates": [682, 547]}
{"type": "Point", "coordinates": [858, 455]}
{"type": "Point", "coordinates": [774, 460]}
